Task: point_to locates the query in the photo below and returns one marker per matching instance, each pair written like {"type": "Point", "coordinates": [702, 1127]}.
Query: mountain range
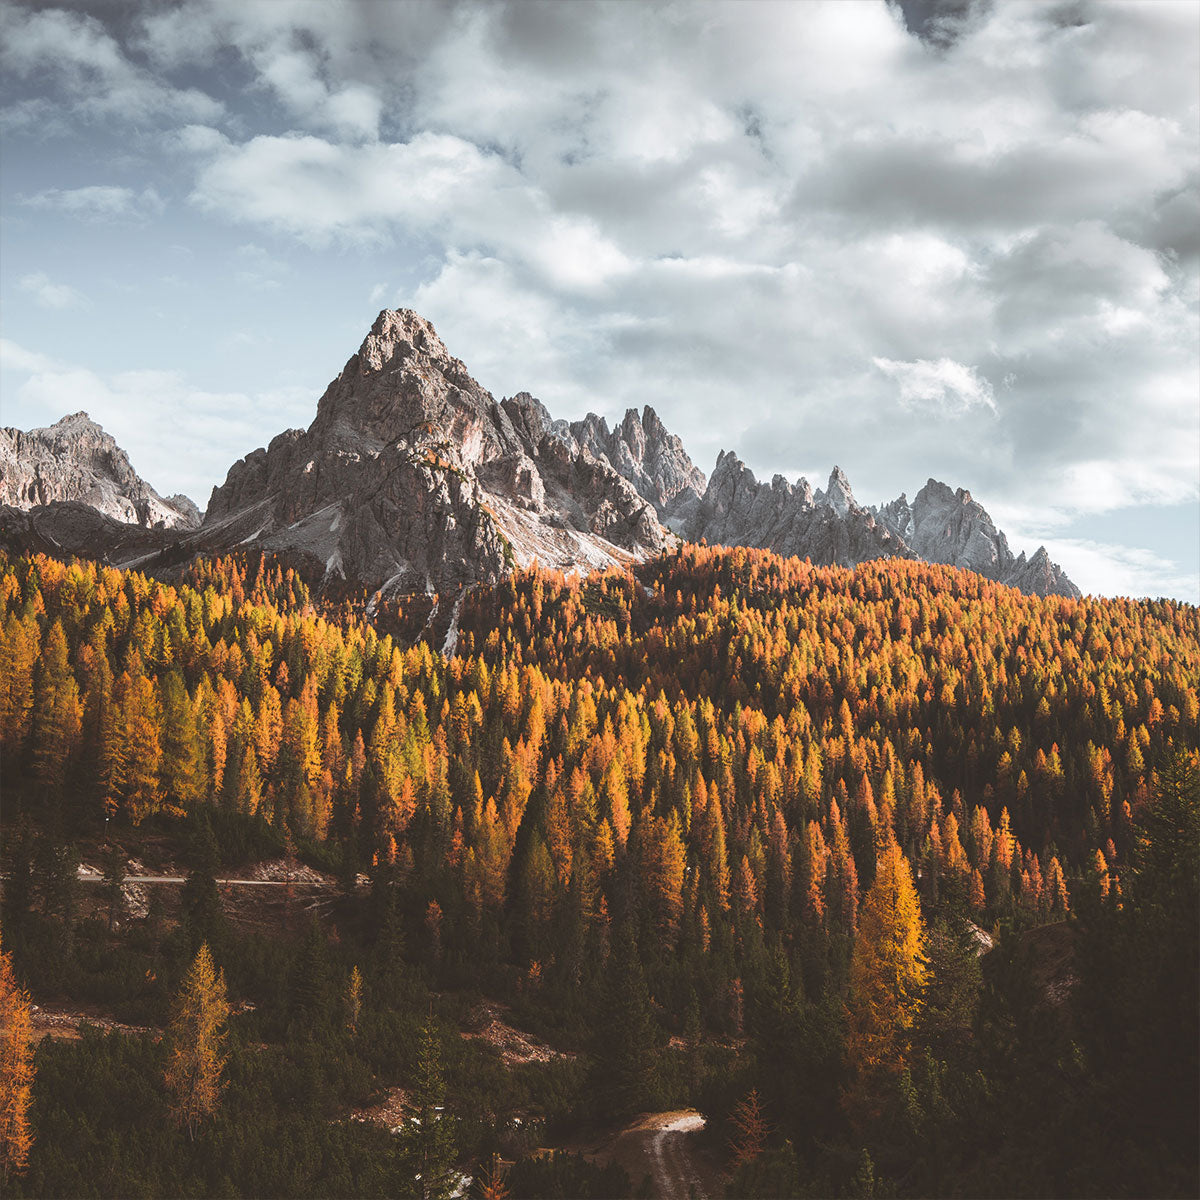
{"type": "Point", "coordinates": [413, 477]}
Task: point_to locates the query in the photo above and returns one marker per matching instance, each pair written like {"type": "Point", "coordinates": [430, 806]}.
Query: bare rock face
{"type": "Point", "coordinates": [642, 450]}
{"type": "Point", "coordinates": [413, 476]}
{"type": "Point", "coordinates": [838, 495]}
{"type": "Point", "coordinates": [66, 527]}
{"type": "Point", "coordinates": [827, 527]}
{"type": "Point", "coordinates": [74, 459]}
{"type": "Point", "coordinates": [830, 527]}
{"type": "Point", "coordinates": [1039, 576]}
{"type": "Point", "coordinates": [947, 526]}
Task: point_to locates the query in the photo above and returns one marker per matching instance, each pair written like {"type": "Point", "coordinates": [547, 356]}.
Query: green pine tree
{"type": "Point", "coordinates": [429, 1144]}
{"type": "Point", "coordinates": [624, 1045]}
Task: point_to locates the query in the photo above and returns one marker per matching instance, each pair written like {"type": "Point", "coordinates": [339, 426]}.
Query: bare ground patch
{"type": "Point", "coordinates": [61, 1022]}
{"type": "Point", "coordinates": [516, 1048]}
{"type": "Point", "coordinates": [388, 1114]}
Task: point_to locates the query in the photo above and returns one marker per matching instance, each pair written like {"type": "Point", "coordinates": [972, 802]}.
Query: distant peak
{"type": "Point", "coordinates": [838, 494]}
{"type": "Point", "coordinates": [651, 421]}
{"type": "Point", "coordinates": [400, 317]}
{"type": "Point", "coordinates": [934, 489]}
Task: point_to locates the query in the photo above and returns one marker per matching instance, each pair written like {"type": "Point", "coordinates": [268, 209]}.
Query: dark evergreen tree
{"type": "Point", "coordinates": [428, 1153]}
{"type": "Point", "coordinates": [313, 991]}
{"type": "Point", "coordinates": [623, 1047]}
{"type": "Point", "coordinates": [203, 917]}
{"type": "Point", "coordinates": [1140, 995]}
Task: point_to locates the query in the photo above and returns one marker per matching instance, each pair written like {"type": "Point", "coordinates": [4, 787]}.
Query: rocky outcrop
{"type": "Point", "coordinates": [645, 452]}
{"type": "Point", "coordinates": [75, 460]}
{"type": "Point", "coordinates": [70, 527]}
{"type": "Point", "coordinates": [826, 526]}
{"type": "Point", "coordinates": [413, 476]}
{"type": "Point", "coordinates": [947, 526]}
{"type": "Point", "coordinates": [829, 526]}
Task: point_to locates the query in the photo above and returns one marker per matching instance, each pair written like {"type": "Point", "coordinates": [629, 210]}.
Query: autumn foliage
{"type": "Point", "coordinates": [736, 728]}
{"type": "Point", "coordinates": [723, 783]}
{"type": "Point", "coordinates": [888, 971]}
{"type": "Point", "coordinates": [16, 1072]}
{"type": "Point", "coordinates": [195, 1061]}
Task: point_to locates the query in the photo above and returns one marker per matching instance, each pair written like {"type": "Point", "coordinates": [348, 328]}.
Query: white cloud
{"type": "Point", "coordinates": [48, 294]}
{"type": "Point", "coordinates": [352, 110]}
{"type": "Point", "coordinates": [434, 185]}
{"type": "Point", "coordinates": [16, 358]}
{"type": "Point", "coordinates": [258, 269]}
{"type": "Point", "coordinates": [795, 229]}
{"type": "Point", "coordinates": [943, 386]}
{"type": "Point", "coordinates": [1105, 569]}
{"type": "Point", "coordinates": [99, 202]}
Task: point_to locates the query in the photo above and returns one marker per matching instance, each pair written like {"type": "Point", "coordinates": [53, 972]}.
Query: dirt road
{"type": "Point", "coordinates": [221, 882]}
{"type": "Point", "coordinates": [659, 1145]}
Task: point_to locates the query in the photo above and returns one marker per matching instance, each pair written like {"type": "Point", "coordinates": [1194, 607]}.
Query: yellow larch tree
{"type": "Point", "coordinates": [195, 1062]}
{"type": "Point", "coordinates": [16, 1072]}
{"type": "Point", "coordinates": [888, 974]}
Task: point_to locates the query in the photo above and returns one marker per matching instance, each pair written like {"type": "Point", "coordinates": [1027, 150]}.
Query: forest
{"type": "Point", "coordinates": [890, 872]}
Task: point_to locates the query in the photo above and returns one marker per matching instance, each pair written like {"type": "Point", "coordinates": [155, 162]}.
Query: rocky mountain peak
{"type": "Point", "coordinates": [728, 475]}
{"type": "Point", "coordinates": [652, 423]}
{"type": "Point", "coordinates": [412, 476]}
{"type": "Point", "coordinates": [530, 417]}
{"type": "Point", "coordinates": [76, 424]}
{"type": "Point", "coordinates": [76, 460]}
{"type": "Point", "coordinates": [401, 333]}
{"type": "Point", "coordinates": [827, 527]}
{"type": "Point", "coordinates": [642, 450]}
{"type": "Point", "coordinates": [947, 525]}
{"type": "Point", "coordinates": [838, 494]}
{"type": "Point", "coordinates": [934, 492]}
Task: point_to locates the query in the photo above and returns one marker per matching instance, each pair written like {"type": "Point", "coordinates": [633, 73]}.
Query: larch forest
{"type": "Point", "coordinates": [890, 873]}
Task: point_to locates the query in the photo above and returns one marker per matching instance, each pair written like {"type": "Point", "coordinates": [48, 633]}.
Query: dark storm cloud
{"type": "Point", "coordinates": [939, 22]}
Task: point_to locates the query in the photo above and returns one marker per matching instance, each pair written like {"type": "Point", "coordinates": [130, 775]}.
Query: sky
{"type": "Point", "coordinates": [940, 238]}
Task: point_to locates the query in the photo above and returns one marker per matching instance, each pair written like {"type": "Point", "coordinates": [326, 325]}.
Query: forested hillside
{"type": "Point", "coordinates": [730, 829]}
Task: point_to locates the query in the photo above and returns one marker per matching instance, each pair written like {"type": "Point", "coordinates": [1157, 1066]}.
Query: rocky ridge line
{"type": "Point", "coordinates": [412, 477]}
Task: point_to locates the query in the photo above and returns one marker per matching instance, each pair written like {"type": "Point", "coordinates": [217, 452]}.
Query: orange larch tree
{"type": "Point", "coordinates": [16, 1072]}
{"type": "Point", "coordinates": [888, 973]}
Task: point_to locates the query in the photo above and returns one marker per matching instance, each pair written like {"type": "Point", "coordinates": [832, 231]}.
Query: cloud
{"type": "Point", "coordinates": [806, 232]}
{"type": "Point", "coordinates": [99, 202]}
{"type": "Point", "coordinates": [435, 186]}
{"type": "Point", "coordinates": [47, 294]}
{"type": "Point", "coordinates": [177, 435]}
{"type": "Point", "coordinates": [73, 57]}
{"type": "Point", "coordinates": [258, 269]}
{"type": "Point", "coordinates": [16, 358]}
{"type": "Point", "coordinates": [1103, 568]}
{"type": "Point", "coordinates": [943, 386]}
